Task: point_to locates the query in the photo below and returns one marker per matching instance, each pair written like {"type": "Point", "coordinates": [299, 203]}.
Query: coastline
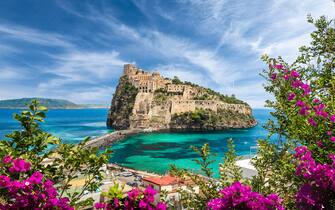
{"type": "Point", "coordinates": [115, 136]}
{"type": "Point", "coordinates": [56, 108]}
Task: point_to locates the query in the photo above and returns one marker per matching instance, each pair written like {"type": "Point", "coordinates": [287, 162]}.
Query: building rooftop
{"type": "Point", "coordinates": [162, 180]}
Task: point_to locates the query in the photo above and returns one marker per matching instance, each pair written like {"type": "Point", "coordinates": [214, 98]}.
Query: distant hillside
{"type": "Point", "coordinates": [50, 103]}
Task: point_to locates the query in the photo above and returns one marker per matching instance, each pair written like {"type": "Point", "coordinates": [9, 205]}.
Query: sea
{"type": "Point", "coordinates": [154, 152]}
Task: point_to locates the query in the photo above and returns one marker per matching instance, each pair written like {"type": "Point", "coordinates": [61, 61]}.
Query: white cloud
{"type": "Point", "coordinates": [97, 95]}
{"type": "Point", "coordinates": [88, 66]}
{"type": "Point", "coordinates": [221, 49]}
{"type": "Point", "coordinates": [33, 36]}
{"type": "Point", "coordinates": [71, 67]}
{"type": "Point", "coordinates": [9, 74]}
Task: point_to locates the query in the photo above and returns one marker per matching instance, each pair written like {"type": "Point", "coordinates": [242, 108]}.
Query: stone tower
{"type": "Point", "coordinates": [129, 69]}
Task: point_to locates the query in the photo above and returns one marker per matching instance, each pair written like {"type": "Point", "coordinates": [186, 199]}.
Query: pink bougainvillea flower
{"type": "Point", "coordinates": [319, 143]}
{"type": "Point", "coordinates": [295, 83]}
{"type": "Point", "coordinates": [316, 100]}
{"type": "Point", "coordinates": [7, 159]}
{"type": "Point", "coordinates": [19, 165]}
{"type": "Point", "coordinates": [332, 118]}
{"type": "Point", "coordinates": [294, 74]}
{"type": "Point", "coordinates": [273, 76]}
{"type": "Point", "coordinates": [306, 88]}
{"type": "Point", "coordinates": [279, 66]}
{"type": "Point", "coordinates": [291, 96]}
{"type": "Point", "coordinates": [4, 180]}
{"type": "Point", "coordinates": [143, 204]}
{"type": "Point", "coordinates": [238, 196]}
{"type": "Point", "coordinates": [161, 206]}
{"type": "Point", "coordinates": [312, 122]}
{"type": "Point", "coordinates": [133, 194]}
{"type": "Point", "coordinates": [286, 77]}
{"type": "Point", "coordinates": [300, 103]}
{"type": "Point", "coordinates": [36, 177]}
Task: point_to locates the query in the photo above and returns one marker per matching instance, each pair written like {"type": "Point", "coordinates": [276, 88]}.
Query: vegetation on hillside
{"type": "Point", "coordinates": [122, 104]}
{"type": "Point", "coordinates": [208, 94]}
{"type": "Point", "coordinates": [49, 103]}
{"type": "Point", "coordinates": [206, 119]}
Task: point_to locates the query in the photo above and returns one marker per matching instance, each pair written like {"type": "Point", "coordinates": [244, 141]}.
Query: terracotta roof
{"type": "Point", "coordinates": [163, 180]}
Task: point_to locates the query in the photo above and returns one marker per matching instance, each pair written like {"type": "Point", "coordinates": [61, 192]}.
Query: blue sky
{"type": "Point", "coordinates": [76, 49]}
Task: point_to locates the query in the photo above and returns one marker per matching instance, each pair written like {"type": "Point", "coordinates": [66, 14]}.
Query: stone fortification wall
{"type": "Point", "coordinates": [191, 105]}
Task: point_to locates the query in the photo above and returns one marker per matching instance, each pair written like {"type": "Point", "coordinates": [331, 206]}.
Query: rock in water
{"type": "Point", "coordinates": [145, 100]}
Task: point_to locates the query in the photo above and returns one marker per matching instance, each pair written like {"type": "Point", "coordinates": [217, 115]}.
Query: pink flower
{"type": "Point", "coordinates": [312, 122]}
{"type": "Point", "coordinates": [143, 204]}
{"type": "Point", "coordinates": [296, 83]}
{"type": "Point", "coordinates": [306, 87]}
{"type": "Point", "coordinates": [329, 133]}
{"type": "Point", "coordinates": [149, 192]}
{"type": "Point", "coordinates": [291, 96]}
{"type": "Point", "coordinates": [332, 118]}
{"type": "Point", "coordinates": [319, 143]}
{"type": "Point", "coordinates": [286, 77]}
{"type": "Point", "coordinates": [294, 74]}
{"type": "Point", "coordinates": [7, 159]}
{"type": "Point", "coordinates": [304, 111]}
{"type": "Point", "coordinates": [316, 100]}
{"type": "Point", "coordinates": [279, 66]}
{"type": "Point", "coordinates": [332, 138]}
{"type": "Point", "coordinates": [300, 103]}
{"type": "Point", "coordinates": [116, 203]}
{"type": "Point", "coordinates": [36, 177]}
{"type": "Point", "coordinates": [133, 194]}
{"type": "Point", "coordinates": [160, 206]}
{"type": "Point", "coordinates": [4, 180]}
{"type": "Point", "coordinates": [100, 205]}
{"type": "Point", "coordinates": [273, 76]}
{"type": "Point", "coordinates": [19, 165]}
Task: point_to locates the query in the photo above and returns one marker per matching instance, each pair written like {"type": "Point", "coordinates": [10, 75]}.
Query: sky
{"type": "Point", "coordinates": [76, 50]}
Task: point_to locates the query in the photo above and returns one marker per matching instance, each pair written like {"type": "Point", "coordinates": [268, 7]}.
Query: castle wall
{"type": "Point", "coordinates": [182, 106]}
{"type": "Point", "coordinates": [206, 104]}
{"type": "Point", "coordinates": [172, 88]}
{"type": "Point", "coordinates": [147, 114]}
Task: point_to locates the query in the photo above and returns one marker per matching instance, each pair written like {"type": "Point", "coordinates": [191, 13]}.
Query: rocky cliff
{"type": "Point", "coordinates": [145, 100]}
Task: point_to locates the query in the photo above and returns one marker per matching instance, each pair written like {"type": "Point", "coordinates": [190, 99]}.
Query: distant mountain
{"type": "Point", "coordinates": [50, 103]}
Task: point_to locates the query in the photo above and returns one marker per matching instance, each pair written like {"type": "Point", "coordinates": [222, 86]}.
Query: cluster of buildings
{"type": "Point", "coordinates": [148, 113]}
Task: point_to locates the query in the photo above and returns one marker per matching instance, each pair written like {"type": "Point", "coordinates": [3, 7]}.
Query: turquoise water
{"type": "Point", "coordinates": [156, 151]}
{"type": "Point", "coordinates": [151, 152]}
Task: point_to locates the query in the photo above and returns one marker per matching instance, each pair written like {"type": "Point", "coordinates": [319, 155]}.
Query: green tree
{"type": "Point", "coordinates": [229, 171]}
{"type": "Point", "coordinates": [316, 67]}
{"type": "Point", "coordinates": [59, 162]}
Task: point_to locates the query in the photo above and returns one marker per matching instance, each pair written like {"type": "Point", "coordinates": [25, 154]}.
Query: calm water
{"type": "Point", "coordinates": [72, 125]}
{"type": "Point", "coordinates": [152, 152]}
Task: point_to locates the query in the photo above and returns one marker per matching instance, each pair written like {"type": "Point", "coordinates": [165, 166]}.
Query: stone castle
{"type": "Point", "coordinates": [148, 113]}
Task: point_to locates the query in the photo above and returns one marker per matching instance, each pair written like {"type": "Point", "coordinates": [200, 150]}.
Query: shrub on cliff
{"type": "Point", "coordinates": [122, 104]}
{"type": "Point", "coordinates": [65, 162]}
{"type": "Point", "coordinates": [211, 120]}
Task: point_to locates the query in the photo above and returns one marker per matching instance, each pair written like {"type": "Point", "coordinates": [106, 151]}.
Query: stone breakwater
{"type": "Point", "coordinates": [110, 138]}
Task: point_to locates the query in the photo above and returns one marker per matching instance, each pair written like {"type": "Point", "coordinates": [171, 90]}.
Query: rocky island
{"type": "Point", "coordinates": [146, 100]}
